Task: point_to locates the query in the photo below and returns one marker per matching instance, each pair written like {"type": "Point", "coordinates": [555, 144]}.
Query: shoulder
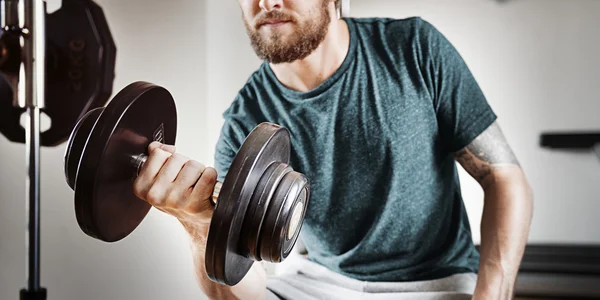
{"type": "Point", "coordinates": [247, 95]}
{"type": "Point", "coordinates": [250, 100]}
{"type": "Point", "coordinates": [393, 29]}
{"type": "Point", "coordinates": [401, 41]}
{"type": "Point", "coordinates": [244, 112]}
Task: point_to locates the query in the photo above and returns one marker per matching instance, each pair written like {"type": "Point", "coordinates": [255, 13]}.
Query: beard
{"type": "Point", "coordinates": [276, 47]}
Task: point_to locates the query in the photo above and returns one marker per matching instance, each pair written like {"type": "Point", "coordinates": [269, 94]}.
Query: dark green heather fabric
{"type": "Point", "coordinates": [376, 141]}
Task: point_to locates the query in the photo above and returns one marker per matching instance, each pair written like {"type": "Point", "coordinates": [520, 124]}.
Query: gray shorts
{"type": "Point", "coordinates": [311, 281]}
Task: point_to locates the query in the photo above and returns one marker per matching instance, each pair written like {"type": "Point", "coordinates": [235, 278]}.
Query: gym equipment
{"type": "Point", "coordinates": [552, 271]}
{"type": "Point", "coordinates": [80, 64]}
{"type": "Point", "coordinates": [259, 207]}
{"type": "Point", "coordinates": [62, 65]}
{"type": "Point", "coordinates": [582, 140]}
{"type": "Point", "coordinates": [31, 69]}
{"type": "Point", "coordinates": [570, 140]}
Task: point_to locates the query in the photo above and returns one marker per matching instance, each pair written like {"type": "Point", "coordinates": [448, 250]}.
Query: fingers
{"type": "Point", "coordinates": [149, 171]}
{"type": "Point", "coordinates": [163, 187]}
{"type": "Point", "coordinates": [155, 145]}
{"type": "Point", "coordinates": [184, 184]}
{"type": "Point", "coordinates": [175, 184]}
{"type": "Point", "coordinates": [159, 154]}
{"type": "Point", "coordinates": [202, 192]}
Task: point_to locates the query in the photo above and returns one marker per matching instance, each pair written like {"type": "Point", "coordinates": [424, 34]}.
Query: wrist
{"type": "Point", "coordinates": [198, 231]}
{"type": "Point", "coordinates": [492, 283]}
{"type": "Point", "coordinates": [493, 292]}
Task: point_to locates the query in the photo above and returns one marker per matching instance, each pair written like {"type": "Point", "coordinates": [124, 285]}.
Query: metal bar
{"type": "Point", "coordinates": [9, 13]}
{"type": "Point", "coordinates": [32, 86]}
{"type": "Point", "coordinates": [33, 193]}
{"type": "Point", "coordinates": [570, 140]}
{"type": "Point", "coordinates": [34, 50]}
{"type": "Point", "coordinates": [39, 53]}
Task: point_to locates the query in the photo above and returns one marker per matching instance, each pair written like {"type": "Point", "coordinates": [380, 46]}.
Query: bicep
{"type": "Point", "coordinates": [487, 154]}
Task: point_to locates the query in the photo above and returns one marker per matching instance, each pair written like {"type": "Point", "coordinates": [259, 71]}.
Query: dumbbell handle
{"type": "Point", "coordinates": [139, 160]}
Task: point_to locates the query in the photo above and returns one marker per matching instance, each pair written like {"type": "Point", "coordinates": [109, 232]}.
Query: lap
{"type": "Point", "coordinates": [313, 281]}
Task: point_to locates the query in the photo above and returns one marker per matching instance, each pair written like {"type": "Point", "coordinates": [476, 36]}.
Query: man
{"type": "Point", "coordinates": [379, 111]}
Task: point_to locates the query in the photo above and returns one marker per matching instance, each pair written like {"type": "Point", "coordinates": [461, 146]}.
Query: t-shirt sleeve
{"type": "Point", "coordinates": [229, 142]}
{"type": "Point", "coordinates": [462, 110]}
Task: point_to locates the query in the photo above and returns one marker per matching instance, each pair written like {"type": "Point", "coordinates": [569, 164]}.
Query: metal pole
{"type": "Point", "coordinates": [26, 19]}
{"type": "Point", "coordinates": [33, 88]}
{"type": "Point", "coordinates": [33, 190]}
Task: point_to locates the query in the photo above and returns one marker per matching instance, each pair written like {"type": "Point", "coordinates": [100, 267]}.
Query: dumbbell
{"type": "Point", "coordinates": [259, 207]}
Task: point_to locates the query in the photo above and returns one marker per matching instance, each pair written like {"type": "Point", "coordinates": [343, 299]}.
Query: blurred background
{"type": "Point", "coordinates": [536, 60]}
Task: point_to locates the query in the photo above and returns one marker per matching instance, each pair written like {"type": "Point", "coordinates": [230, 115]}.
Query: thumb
{"type": "Point", "coordinates": [168, 148]}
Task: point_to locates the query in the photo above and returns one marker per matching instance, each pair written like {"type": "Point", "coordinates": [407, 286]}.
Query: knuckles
{"type": "Point", "coordinates": [173, 199]}
{"type": "Point", "coordinates": [177, 157]}
{"type": "Point", "coordinates": [154, 145]}
{"type": "Point", "coordinates": [155, 196]}
{"type": "Point", "coordinates": [207, 182]}
{"type": "Point", "coordinates": [158, 152]}
{"type": "Point", "coordinates": [193, 165]}
{"type": "Point", "coordinates": [210, 176]}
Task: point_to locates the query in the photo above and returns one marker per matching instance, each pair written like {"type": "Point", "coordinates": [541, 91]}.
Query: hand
{"type": "Point", "coordinates": [177, 186]}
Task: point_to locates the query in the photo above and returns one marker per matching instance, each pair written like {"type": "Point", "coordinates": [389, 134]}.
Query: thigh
{"type": "Point", "coordinates": [301, 287]}
{"type": "Point", "coordinates": [311, 281]}
{"type": "Point", "coordinates": [462, 283]}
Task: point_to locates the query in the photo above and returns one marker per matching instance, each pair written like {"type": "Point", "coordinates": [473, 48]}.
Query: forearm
{"type": "Point", "coordinates": [252, 286]}
{"type": "Point", "coordinates": [505, 226]}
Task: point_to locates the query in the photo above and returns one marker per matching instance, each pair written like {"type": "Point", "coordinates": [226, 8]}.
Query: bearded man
{"type": "Point", "coordinates": [380, 111]}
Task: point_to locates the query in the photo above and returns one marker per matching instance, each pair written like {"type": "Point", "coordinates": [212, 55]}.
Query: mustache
{"type": "Point", "coordinates": [271, 16]}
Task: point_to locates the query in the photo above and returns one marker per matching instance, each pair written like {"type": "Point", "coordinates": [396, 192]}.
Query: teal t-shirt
{"type": "Point", "coordinates": [376, 140]}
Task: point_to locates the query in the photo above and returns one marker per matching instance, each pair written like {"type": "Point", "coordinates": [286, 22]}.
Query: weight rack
{"type": "Point", "coordinates": [29, 95]}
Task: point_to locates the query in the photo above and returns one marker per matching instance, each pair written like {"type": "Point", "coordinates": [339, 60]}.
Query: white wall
{"type": "Point", "coordinates": [230, 61]}
{"type": "Point", "coordinates": [158, 41]}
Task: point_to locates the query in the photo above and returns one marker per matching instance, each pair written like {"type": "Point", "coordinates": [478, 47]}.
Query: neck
{"type": "Point", "coordinates": [308, 73]}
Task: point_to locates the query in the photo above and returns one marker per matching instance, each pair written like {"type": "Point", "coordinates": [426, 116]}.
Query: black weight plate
{"type": "Point", "coordinates": [275, 242]}
{"type": "Point", "coordinates": [10, 63]}
{"type": "Point", "coordinates": [76, 143]}
{"type": "Point", "coordinates": [105, 204]}
{"type": "Point", "coordinates": [10, 50]}
{"type": "Point", "coordinates": [80, 66]}
{"type": "Point", "coordinates": [109, 54]}
{"type": "Point", "coordinates": [266, 144]}
{"type": "Point", "coordinates": [10, 116]}
{"type": "Point", "coordinates": [257, 209]}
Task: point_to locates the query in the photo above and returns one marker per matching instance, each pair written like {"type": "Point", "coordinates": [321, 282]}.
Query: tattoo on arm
{"type": "Point", "coordinates": [487, 152]}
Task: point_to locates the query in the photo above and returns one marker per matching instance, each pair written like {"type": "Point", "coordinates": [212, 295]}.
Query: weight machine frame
{"type": "Point", "coordinates": [27, 20]}
{"type": "Point", "coordinates": [582, 140]}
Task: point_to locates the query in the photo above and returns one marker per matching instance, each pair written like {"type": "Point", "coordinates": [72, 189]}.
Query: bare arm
{"type": "Point", "coordinates": [507, 211]}
{"type": "Point", "coordinates": [182, 188]}
{"type": "Point", "coordinates": [252, 286]}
